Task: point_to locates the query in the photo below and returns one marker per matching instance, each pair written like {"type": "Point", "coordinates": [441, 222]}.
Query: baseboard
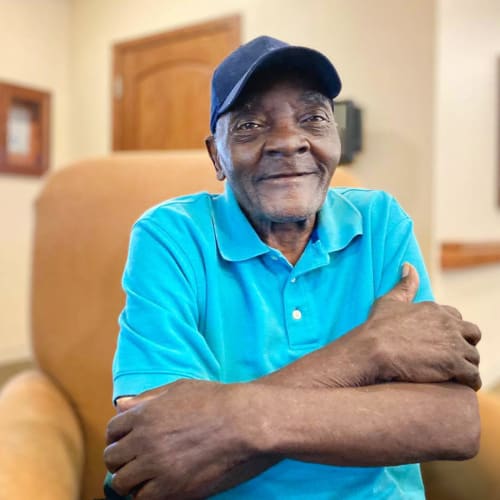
{"type": "Point", "coordinates": [14, 354]}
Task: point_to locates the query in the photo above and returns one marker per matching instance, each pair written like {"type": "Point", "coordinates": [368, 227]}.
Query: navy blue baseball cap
{"type": "Point", "coordinates": [234, 72]}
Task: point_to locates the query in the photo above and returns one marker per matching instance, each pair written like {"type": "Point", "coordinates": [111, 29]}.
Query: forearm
{"type": "Point", "coordinates": [389, 424]}
{"type": "Point", "coordinates": [386, 424]}
{"type": "Point", "coordinates": [350, 361]}
{"type": "Point", "coordinates": [243, 429]}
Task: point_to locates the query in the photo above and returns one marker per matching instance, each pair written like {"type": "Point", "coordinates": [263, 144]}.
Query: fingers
{"type": "Point", "coordinates": [472, 355]}
{"type": "Point", "coordinates": [117, 454]}
{"type": "Point", "coordinates": [452, 310]}
{"type": "Point", "coordinates": [471, 332]}
{"type": "Point", "coordinates": [149, 490]}
{"type": "Point", "coordinates": [406, 289]}
{"type": "Point", "coordinates": [130, 478]}
{"type": "Point", "coordinates": [466, 369]}
{"type": "Point", "coordinates": [118, 427]}
{"type": "Point", "coordinates": [470, 376]}
{"type": "Point", "coordinates": [125, 403]}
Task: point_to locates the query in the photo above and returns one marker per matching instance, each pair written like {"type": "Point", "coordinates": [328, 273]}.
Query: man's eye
{"type": "Point", "coordinates": [315, 118]}
{"type": "Point", "coordinates": [247, 126]}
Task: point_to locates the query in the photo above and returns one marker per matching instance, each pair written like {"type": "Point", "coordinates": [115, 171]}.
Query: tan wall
{"type": "Point", "coordinates": [468, 47]}
{"type": "Point", "coordinates": [34, 51]}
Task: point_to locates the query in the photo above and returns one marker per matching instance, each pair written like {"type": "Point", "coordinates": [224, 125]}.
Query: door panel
{"type": "Point", "coordinates": [162, 86]}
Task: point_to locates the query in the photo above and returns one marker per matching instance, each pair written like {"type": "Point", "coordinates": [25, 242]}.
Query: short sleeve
{"type": "Point", "coordinates": [400, 245]}
{"type": "Point", "coordinates": [159, 340]}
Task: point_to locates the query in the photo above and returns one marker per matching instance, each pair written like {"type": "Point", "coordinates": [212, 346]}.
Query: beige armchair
{"type": "Point", "coordinates": [53, 418]}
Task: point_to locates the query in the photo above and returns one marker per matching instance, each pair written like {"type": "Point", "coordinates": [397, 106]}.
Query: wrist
{"type": "Point", "coordinates": [357, 357]}
{"type": "Point", "coordinates": [251, 417]}
{"type": "Point", "coordinates": [380, 359]}
{"type": "Point", "coordinates": [350, 361]}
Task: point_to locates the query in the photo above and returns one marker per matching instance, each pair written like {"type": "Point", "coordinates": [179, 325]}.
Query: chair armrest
{"type": "Point", "coordinates": [41, 451]}
{"type": "Point", "coordinates": [475, 478]}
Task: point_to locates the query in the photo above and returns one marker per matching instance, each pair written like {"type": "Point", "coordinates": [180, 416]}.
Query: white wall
{"type": "Point", "coordinates": [34, 51]}
{"type": "Point", "coordinates": [467, 120]}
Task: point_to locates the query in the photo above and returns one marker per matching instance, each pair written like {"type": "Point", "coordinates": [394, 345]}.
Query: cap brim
{"type": "Point", "coordinates": [310, 61]}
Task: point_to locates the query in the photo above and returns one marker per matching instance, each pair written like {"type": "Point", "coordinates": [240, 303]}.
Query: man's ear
{"type": "Point", "coordinates": [214, 156]}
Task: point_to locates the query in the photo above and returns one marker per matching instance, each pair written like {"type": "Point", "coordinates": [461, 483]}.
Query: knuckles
{"type": "Point", "coordinates": [424, 342]}
{"type": "Point", "coordinates": [453, 311]}
{"type": "Point", "coordinates": [472, 332]}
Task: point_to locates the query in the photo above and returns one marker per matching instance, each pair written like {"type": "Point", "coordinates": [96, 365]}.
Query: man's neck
{"type": "Point", "coordinates": [289, 238]}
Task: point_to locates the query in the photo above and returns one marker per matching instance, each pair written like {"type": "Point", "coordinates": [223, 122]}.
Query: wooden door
{"type": "Point", "coordinates": [161, 91]}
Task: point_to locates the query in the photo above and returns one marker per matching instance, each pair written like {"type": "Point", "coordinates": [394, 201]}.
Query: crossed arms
{"type": "Point", "coordinates": [398, 389]}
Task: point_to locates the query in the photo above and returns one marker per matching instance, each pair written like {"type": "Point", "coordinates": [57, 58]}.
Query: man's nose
{"type": "Point", "coordinates": [285, 140]}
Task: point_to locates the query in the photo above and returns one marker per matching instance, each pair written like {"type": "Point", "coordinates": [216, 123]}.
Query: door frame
{"type": "Point", "coordinates": [230, 23]}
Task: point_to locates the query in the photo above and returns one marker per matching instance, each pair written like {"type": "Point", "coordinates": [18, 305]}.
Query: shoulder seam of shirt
{"type": "Point", "coordinates": [169, 203]}
{"type": "Point", "coordinates": [402, 212]}
{"type": "Point", "coordinates": [182, 200]}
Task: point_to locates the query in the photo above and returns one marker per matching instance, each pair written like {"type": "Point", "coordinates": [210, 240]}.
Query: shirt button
{"type": "Point", "coordinates": [273, 257]}
{"type": "Point", "coordinates": [293, 280]}
{"type": "Point", "coordinates": [296, 314]}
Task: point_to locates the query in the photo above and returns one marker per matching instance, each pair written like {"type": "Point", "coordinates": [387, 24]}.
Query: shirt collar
{"type": "Point", "coordinates": [339, 222]}
{"type": "Point", "coordinates": [236, 238]}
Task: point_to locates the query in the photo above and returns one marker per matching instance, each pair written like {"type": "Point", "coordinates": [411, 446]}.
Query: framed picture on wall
{"type": "Point", "coordinates": [24, 130]}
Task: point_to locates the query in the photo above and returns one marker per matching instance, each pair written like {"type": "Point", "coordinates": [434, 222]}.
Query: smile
{"type": "Point", "coordinates": [286, 176]}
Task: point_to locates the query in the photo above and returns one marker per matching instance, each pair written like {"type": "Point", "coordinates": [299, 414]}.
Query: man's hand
{"type": "Point", "coordinates": [400, 341]}
{"type": "Point", "coordinates": [175, 441]}
{"type": "Point", "coordinates": [424, 342]}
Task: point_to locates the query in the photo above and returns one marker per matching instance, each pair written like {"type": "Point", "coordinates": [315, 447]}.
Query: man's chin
{"type": "Point", "coordinates": [291, 216]}
{"type": "Point", "coordinates": [294, 210]}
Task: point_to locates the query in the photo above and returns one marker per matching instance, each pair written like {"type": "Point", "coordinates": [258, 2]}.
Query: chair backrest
{"type": "Point", "coordinates": [83, 219]}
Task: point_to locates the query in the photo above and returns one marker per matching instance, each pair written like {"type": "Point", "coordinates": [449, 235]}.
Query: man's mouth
{"type": "Point", "coordinates": [285, 175]}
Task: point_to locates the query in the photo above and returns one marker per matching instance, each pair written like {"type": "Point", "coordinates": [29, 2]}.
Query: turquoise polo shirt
{"type": "Point", "coordinates": [207, 299]}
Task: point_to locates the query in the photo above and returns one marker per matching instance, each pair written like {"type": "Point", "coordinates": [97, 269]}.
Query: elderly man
{"type": "Point", "coordinates": [280, 340]}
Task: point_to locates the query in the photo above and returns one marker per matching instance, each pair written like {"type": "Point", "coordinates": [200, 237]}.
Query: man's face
{"type": "Point", "coordinates": [278, 150]}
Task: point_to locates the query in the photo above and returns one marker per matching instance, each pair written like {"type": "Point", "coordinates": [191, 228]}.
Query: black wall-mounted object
{"type": "Point", "coordinates": [349, 121]}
